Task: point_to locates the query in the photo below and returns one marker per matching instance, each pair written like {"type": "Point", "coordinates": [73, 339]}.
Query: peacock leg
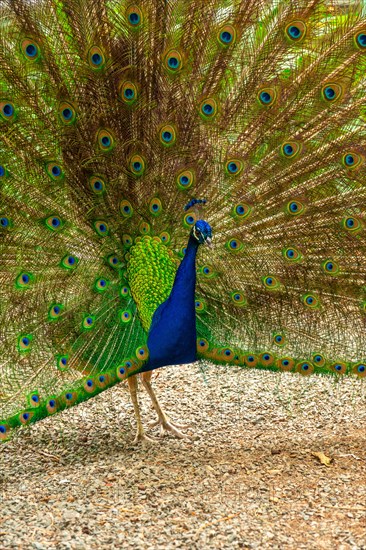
{"type": "Point", "coordinates": [140, 434]}
{"type": "Point", "coordinates": [166, 425]}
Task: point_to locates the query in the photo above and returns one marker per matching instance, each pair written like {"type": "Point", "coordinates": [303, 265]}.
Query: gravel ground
{"type": "Point", "coordinates": [246, 478]}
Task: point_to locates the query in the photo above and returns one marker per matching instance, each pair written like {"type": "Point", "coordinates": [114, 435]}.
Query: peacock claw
{"type": "Point", "coordinates": [166, 425]}
{"type": "Point", "coordinates": [144, 439]}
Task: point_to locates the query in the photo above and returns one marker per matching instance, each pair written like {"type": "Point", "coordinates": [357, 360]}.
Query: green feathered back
{"type": "Point", "coordinates": [114, 115]}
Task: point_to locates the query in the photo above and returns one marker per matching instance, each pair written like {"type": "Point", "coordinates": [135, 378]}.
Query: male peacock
{"type": "Point", "coordinates": [116, 115]}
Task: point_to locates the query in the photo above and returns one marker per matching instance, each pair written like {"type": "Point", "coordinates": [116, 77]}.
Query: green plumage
{"type": "Point", "coordinates": [115, 115]}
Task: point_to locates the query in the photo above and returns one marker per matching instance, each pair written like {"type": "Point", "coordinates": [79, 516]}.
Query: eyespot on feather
{"type": "Point", "coordinates": [105, 140]}
{"type": "Point", "coordinates": [311, 301]}
{"type": "Point", "coordinates": [305, 368]}
{"type": "Point", "coordinates": [270, 282]}
{"type": "Point", "coordinates": [67, 113]}
{"type": "Point", "coordinates": [155, 206]}
{"type": "Point", "coordinates": [290, 149]}
{"type": "Point", "coordinates": [125, 316]}
{"type": "Point", "coordinates": [128, 92]}
{"type": "Point", "coordinates": [185, 179]}
{"type": "Point", "coordinates": [266, 359]}
{"type": "Point", "coordinates": [233, 167]}
{"type": "Point", "coordinates": [62, 363]}
{"type": "Point", "coordinates": [318, 360]}
{"type": "Point", "coordinates": [30, 49]}
{"type": "Point", "coordinates": [332, 92]}
{"type": "Point", "coordinates": [97, 184]}
{"type": "Point", "coordinates": [167, 135]}
{"type": "Point", "coordinates": [55, 311]}
{"type": "Point", "coordinates": [88, 322]}
{"type": "Point", "coordinates": [352, 160]}
{"type": "Point", "coordinates": [137, 165]}
{"type": "Point", "coordinates": [241, 211]}
{"type": "Point", "coordinates": [352, 224]}
{"type": "Point", "coordinates": [360, 40]}
{"type": "Point", "coordinates": [173, 61]}
{"type": "Point", "coordinates": [126, 209]}
{"type": "Point", "coordinates": [55, 171]}
{"type": "Point", "coordinates": [359, 369]}
{"type": "Point", "coordinates": [285, 364]}
{"type": "Point", "coordinates": [96, 59]}
{"type": "Point", "coordinates": [54, 223]}
{"type": "Point", "coordinates": [113, 261]}
{"type": "Point", "coordinates": [24, 280]}
{"type": "Point", "coordinates": [101, 227]}
{"type": "Point", "coordinates": [234, 245]}
{"type": "Point", "coordinates": [8, 111]}
{"type": "Point", "coordinates": [296, 30]}
{"type": "Point", "coordinates": [267, 96]}
{"type": "Point", "coordinates": [295, 208]}
{"type": "Point", "coordinates": [69, 262]}
{"type": "Point", "coordinates": [226, 35]}
{"type": "Point", "coordinates": [202, 345]}
{"type": "Point", "coordinates": [52, 405]}
{"type": "Point", "coordinates": [330, 267]}
{"type": "Point", "coordinates": [208, 108]}
{"type": "Point", "coordinates": [291, 254]}
{"type": "Point", "coordinates": [101, 285]}
{"type": "Point", "coordinates": [279, 339]}
{"type": "Point", "coordinates": [25, 343]}
{"type": "Point", "coordinates": [142, 353]}
{"type": "Point", "coordinates": [250, 360]}
{"type": "Point", "coordinates": [339, 368]}
{"type": "Point", "coordinates": [134, 17]}
{"type": "Point", "coordinates": [238, 298]}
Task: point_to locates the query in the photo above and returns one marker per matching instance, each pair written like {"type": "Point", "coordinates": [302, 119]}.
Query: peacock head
{"type": "Point", "coordinates": [202, 232]}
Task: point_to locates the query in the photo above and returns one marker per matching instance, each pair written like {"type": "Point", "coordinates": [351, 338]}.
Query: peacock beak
{"type": "Point", "coordinates": [208, 241]}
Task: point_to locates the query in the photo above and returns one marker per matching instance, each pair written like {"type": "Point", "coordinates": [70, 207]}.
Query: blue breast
{"type": "Point", "coordinates": [172, 335]}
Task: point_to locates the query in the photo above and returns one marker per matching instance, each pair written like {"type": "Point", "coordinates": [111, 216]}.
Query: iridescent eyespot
{"type": "Point", "coordinates": [291, 254]}
{"type": "Point", "coordinates": [89, 385]}
{"type": "Point", "coordinates": [101, 227]}
{"type": "Point", "coordinates": [332, 92]}
{"type": "Point", "coordinates": [126, 209]}
{"type": "Point", "coordinates": [102, 380]}
{"type": "Point", "coordinates": [238, 298]}
{"type": "Point", "coordinates": [182, 251]}
{"type": "Point", "coordinates": [3, 172]}
{"type": "Point", "coordinates": [290, 149]}
{"type": "Point", "coordinates": [125, 316]}
{"type": "Point", "coordinates": [4, 222]}
{"type": "Point", "coordinates": [207, 271]}
{"type": "Point", "coordinates": [279, 339]}
{"type": "Point", "coordinates": [30, 49]}
{"type": "Point", "coordinates": [155, 206]}
{"type": "Point", "coordinates": [241, 211]}
{"type": "Point", "coordinates": [5, 431]}
{"type": "Point", "coordinates": [339, 368]}
{"type": "Point", "coordinates": [69, 398]}
{"type": "Point", "coordinates": [330, 267]}
{"type": "Point", "coordinates": [113, 261]}
{"type": "Point", "coordinates": [318, 360]}
{"type": "Point", "coordinates": [311, 301]}
{"type": "Point", "coordinates": [69, 261]}
{"type": "Point", "coordinates": [25, 342]}
{"type": "Point", "coordinates": [67, 112]}
{"type": "Point", "coordinates": [234, 245]}
{"type": "Point", "coordinates": [127, 240]}
{"type": "Point", "coordinates": [144, 228]}
{"type": "Point", "coordinates": [137, 165]}
{"type": "Point", "coordinates": [97, 184]}
{"type": "Point", "coordinates": [134, 17]}
{"type": "Point", "coordinates": [208, 108]}
{"type": "Point", "coordinates": [128, 92]}
{"type": "Point", "coordinates": [202, 345]}
{"type": "Point", "coordinates": [352, 160]}
{"type": "Point", "coordinates": [121, 372]}
{"type": "Point", "coordinates": [226, 35]}
{"type": "Point", "coordinates": [296, 31]}
{"type": "Point", "coordinates": [52, 405]}
{"type": "Point", "coordinates": [305, 368]}
{"type": "Point", "coordinates": [62, 362]}
{"type": "Point", "coordinates": [360, 40]}
{"type": "Point", "coordinates": [360, 370]}
{"type": "Point", "coordinates": [101, 284]}
{"type": "Point", "coordinates": [189, 219]}
{"type": "Point", "coordinates": [54, 171]}
{"type": "Point", "coordinates": [250, 360]}
{"type": "Point", "coordinates": [295, 208]}
{"type": "Point", "coordinates": [142, 353]}
{"type": "Point", "coordinates": [266, 359]}
{"type": "Point", "coordinates": [7, 111]}
{"type": "Point", "coordinates": [55, 311]}
{"type": "Point", "coordinates": [105, 140]}
{"type": "Point", "coordinates": [24, 280]}
{"type": "Point", "coordinates": [88, 322]}
{"type": "Point", "coordinates": [26, 417]}
{"type": "Point", "coordinates": [34, 399]}
{"type": "Point", "coordinates": [233, 167]}
{"type": "Point", "coordinates": [267, 96]}
{"type": "Point", "coordinates": [124, 292]}
{"type": "Point", "coordinates": [173, 61]}
{"type": "Point", "coordinates": [200, 306]}
{"type": "Point", "coordinates": [54, 223]}
{"type": "Point", "coordinates": [186, 179]}
{"type": "Point", "coordinates": [165, 237]}
{"type": "Point", "coordinates": [352, 225]}
{"type": "Point", "coordinates": [96, 58]}
{"type": "Point", "coordinates": [270, 282]}
{"type": "Point", "coordinates": [167, 135]}
{"type": "Point", "coordinates": [285, 364]}
{"type": "Point", "coordinates": [226, 354]}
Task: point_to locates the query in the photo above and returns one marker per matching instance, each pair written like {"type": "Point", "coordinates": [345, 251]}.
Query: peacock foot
{"type": "Point", "coordinates": [166, 425]}
{"type": "Point", "coordinates": [141, 437]}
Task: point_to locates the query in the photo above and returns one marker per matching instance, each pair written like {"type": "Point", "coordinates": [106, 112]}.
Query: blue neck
{"type": "Point", "coordinates": [172, 335]}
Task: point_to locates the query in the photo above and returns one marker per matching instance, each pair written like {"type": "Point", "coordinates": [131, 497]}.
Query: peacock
{"type": "Point", "coordinates": [180, 180]}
